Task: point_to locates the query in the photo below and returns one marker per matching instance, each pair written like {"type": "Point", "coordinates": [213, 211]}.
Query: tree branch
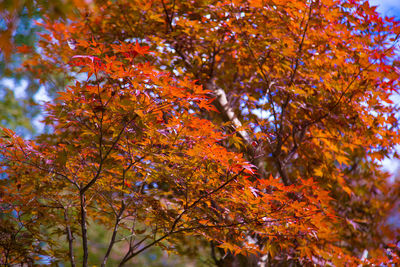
{"type": "Point", "coordinates": [114, 234]}
{"type": "Point", "coordinates": [70, 239]}
{"type": "Point", "coordinates": [84, 229]}
{"type": "Point", "coordinates": [96, 177]}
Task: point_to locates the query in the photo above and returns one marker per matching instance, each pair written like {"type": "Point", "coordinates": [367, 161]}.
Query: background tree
{"type": "Point", "coordinates": [18, 31]}
{"type": "Point", "coordinates": [302, 88]}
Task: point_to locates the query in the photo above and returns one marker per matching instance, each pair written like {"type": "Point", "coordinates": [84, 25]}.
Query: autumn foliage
{"type": "Point", "coordinates": [257, 126]}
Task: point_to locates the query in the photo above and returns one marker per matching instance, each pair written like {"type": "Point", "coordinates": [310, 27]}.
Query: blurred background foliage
{"type": "Point", "coordinates": [17, 28]}
{"type": "Point", "coordinates": [18, 88]}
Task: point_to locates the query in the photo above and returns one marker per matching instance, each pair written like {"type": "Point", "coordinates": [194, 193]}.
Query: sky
{"type": "Point", "coordinates": [390, 8]}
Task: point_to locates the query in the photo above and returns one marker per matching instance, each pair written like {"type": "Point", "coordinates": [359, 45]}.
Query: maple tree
{"type": "Point", "coordinates": [256, 125]}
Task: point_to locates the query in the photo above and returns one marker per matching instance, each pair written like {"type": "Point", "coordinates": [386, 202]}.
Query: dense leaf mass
{"type": "Point", "coordinates": [256, 126]}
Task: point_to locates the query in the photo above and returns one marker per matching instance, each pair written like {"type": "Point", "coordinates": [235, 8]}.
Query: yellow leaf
{"type": "Point", "coordinates": [341, 159]}
{"type": "Point", "coordinates": [318, 172]}
{"type": "Point", "coordinates": [347, 190]}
